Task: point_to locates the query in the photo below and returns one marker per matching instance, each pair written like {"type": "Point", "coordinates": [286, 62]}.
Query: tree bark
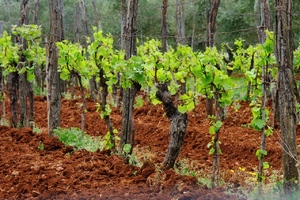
{"type": "Point", "coordinates": [24, 20]}
{"type": "Point", "coordinates": [212, 22]}
{"type": "Point", "coordinates": [178, 125]}
{"type": "Point", "coordinates": [123, 23]}
{"type": "Point", "coordinates": [286, 93]}
{"type": "Point", "coordinates": [92, 81]}
{"type": "Point", "coordinates": [265, 23]}
{"type": "Point", "coordinates": [53, 79]}
{"type": "Point", "coordinates": [38, 70]}
{"type": "Point", "coordinates": [36, 11]}
{"type": "Point", "coordinates": [180, 36]}
{"type": "Point", "coordinates": [178, 121]}
{"type": "Point", "coordinates": [13, 88]}
{"type": "Point", "coordinates": [76, 19]}
{"type": "Point", "coordinates": [180, 23]}
{"type": "Point", "coordinates": [84, 20]}
{"type": "Point", "coordinates": [97, 15]}
{"type": "Point", "coordinates": [210, 40]}
{"type": "Point", "coordinates": [129, 36]}
{"type": "Point", "coordinates": [164, 26]}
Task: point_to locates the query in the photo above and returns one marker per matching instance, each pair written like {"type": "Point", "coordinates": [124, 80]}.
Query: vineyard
{"type": "Point", "coordinates": [220, 155]}
{"type": "Point", "coordinates": [56, 171]}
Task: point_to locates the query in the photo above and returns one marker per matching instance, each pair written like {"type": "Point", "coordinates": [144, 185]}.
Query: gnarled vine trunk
{"type": "Point", "coordinates": [178, 121]}
{"type": "Point", "coordinates": [178, 125]}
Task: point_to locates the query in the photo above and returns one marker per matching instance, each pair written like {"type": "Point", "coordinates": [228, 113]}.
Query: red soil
{"type": "Point", "coordinates": [59, 173]}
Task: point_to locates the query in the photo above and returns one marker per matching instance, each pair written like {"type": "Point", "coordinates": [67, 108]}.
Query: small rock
{"type": "Point", "coordinates": [59, 169]}
{"type": "Point", "coordinates": [15, 173]}
{"type": "Point", "coordinates": [35, 193]}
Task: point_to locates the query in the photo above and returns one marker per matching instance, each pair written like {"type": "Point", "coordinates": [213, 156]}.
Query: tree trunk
{"type": "Point", "coordinates": [92, 81]}
{"type": "Point", "coordinates": [210, 40]}
{"type": "Point", "coordinates": [23, 100]}
{"type": "Point", "coordinates": [180, 23]}
{"type": "Point", "coordinates": [256, 12]}
{"type": "Point", "coordinates": [30, 94]}
{"type": "Point", "coordinates": [76, 19]}
{"type": "Point", "coordinates": [53, 79]}
{"type": "Point", "coordinates": [164, 26]}
{"type": "Point", "coordinates": [36, 11]}
{"type": "Point", "coordinates": [97, 15]}
{"type": "Point", "coordinates": [124, 13]}
{"type": "Point", "coordinates": [24, 19]}
{"type": "Point", "coordinates": [129, 36]}
{"type": "Point", "coordinates": [212, 22]}
{"type": "Point", "coordinates": [180, 36]}
{"type": "Point", "coordinates": [84, 20]}
{"type": "Point", "coordinates": [265, 22]}
{"type": "Point", "coordinates": [38, 70]}
{"type": "Point", "coordinates": [286, 93]}
{"type": "Point", "coordinates": [13, 88]}
{"type": "Point", "coordinates": [77, 40]}
{"type": "Point", "coordinates": [123, 23]}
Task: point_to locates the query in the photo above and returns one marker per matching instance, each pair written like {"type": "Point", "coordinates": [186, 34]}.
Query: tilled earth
{"type": "Point", "coordinates": [58, 172]}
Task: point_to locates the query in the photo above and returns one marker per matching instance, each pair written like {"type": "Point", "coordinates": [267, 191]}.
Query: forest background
{"type": "Point", "coordinates": [236, 19]}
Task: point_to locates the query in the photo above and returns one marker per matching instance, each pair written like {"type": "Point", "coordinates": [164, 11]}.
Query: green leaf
{"type": "Point", "coordinates": [266, 165]}
{"type": "Point", "coordinates": [30, 77]}
{"type": "Point", "coordinates": [197, 71]}
{"type": "Point", "coordinates": [140, 79]}
{"type": "Point", "coordinates": [182, 109]}
{"type": "Point", "coordinates": [269, 131]}
{"type": "Point", "coordinates": [258, 124]}
{"type": "Point", "coordinates": [190, 106]}
{"type": "Point", "coordinates": [155, 101]}
{"type": "Point", "coordinates": [127, 148]}
{"type": "Point", "coordinates": [211, 151]}
{"type": "Point", "coordinates": [64, 76]}
{"type": "Point", "coordinates": [210, 144]}
{"type": "Point", "coordinates": [259, 153]}
{"type": "Point", "coordinates": [107, 136]}
{"type": "Point", "coordinates": [218, 125]}
{"type": "Point", "coordinates": [115, 131]}
{"type": "Point", "coordinates": [256, 112]}
{"type": "Point", "coordinates": [23, 70]}
{"type": "Point", "coordinates": [178, 75]}
{"type": "Point", "coordinates": [212, 130]}
{"type": "Point", "coordinates": [184, 97]}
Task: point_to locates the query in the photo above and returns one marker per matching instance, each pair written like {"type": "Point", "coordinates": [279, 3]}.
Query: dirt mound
{"type": "Point", "coordinates": [39, 167]}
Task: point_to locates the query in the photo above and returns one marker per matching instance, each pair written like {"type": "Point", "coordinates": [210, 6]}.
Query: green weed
{"type": "Point", "coordinates": [78, 140]}
{"type": "Point", "coordinates": [35, 128]}
{"type": "Point", "coordinates": [138, 102]}
{"type": "Point", "coordinates": [41, 146]}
